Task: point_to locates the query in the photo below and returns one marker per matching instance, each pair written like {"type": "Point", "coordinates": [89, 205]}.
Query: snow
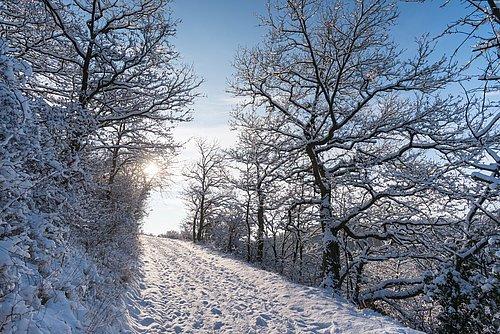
{"type": "Point", "coordinates": [185, 288]}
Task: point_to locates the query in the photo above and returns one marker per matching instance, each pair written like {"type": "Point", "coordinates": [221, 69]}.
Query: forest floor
{"type": "Point", "coordinates": [185, 288]}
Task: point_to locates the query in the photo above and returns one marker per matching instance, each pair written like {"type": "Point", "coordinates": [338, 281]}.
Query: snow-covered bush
{"type": "Point", "coordinates": [75, 140]}
{"type": "Point", "coordinates": [36, 172]}
{"type": "Point", "coordinates": [61, 264]}
{"type": "Point", "coordinates": [468, 293]}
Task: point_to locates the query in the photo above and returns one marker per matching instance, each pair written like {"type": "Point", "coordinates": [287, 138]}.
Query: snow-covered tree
{"type": "Point", "coordinates": [386, 149]}
{"type": "Point", "coordinates": [331, 72]}
{"type": "Point", "coordinates": [258, 165]}
{"type": "Point", "coordinates": [40, 188]}
{"type": "Point", "coordinates": [105, 88]}
{"type": "Point", "coordinates": [466, 288]}
{"type": "Point", "coordinates": [204, 179]}
{"type": "Point", "coordinates": [116, 60]}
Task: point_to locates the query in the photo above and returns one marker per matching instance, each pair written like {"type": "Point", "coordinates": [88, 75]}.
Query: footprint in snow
{"type": "Point", "coordinates": [216, 311]}
{"type": "Point", "coordinates": [134, 310]}
{"type": "Point", "coordinates": [147, 321]}
{"type": "Point", "coordinates": [297, 308]}
{"type": "Point", "coordinates": [218, 325]}
{"type": "Point", "coordinates": [198, 324]}
{"type": "Point", "coordinates": [261, 322]}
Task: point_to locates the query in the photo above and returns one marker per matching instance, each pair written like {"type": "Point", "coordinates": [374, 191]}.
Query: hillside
{"type": "Point", "coordinates": [188, 289]}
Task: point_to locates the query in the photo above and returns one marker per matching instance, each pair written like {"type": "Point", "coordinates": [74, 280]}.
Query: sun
{"type": "Point", "coordinates": [151, 169]}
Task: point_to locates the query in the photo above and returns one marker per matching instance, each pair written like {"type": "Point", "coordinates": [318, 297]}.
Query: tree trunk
{"type": "Point", "coordinates": [260, 229]}
{"type": "Point", "coordinates": [331, 251]}
{"type": "Point", "coordinates": [202, 219]}
{"type": "Point", "coordinates": [230, 240]}
{"type": "Point", "coordinates": [249, 229]}
{"type": "Point", "coordinates": [114, 163]}
{"type": "Point", "coordinates": [275, 250]}
{"type": "Point", "coordinates": [116, 151]}
{"type": "Point", "coordinates": [301, 257]}
{"type": "Point", "coordinates": [194, 225]}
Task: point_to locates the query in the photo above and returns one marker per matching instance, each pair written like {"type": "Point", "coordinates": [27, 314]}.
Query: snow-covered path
{"type": "Point", "coordinates": [188, 289]}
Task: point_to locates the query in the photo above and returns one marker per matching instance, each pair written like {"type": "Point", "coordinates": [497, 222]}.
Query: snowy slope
{"type": "Point", "coordinates": [187, 289]}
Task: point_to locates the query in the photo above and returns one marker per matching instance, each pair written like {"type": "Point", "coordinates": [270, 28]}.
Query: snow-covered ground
{"type": "Point", "coordinates": [188, 289]}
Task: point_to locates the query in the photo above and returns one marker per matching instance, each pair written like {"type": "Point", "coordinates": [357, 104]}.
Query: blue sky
{"type": "Point", "coordinates": [208, 37]}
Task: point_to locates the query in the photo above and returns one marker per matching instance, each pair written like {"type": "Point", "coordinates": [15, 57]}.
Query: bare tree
{"type": "Point", "coordinates": [481, 28]}
{"type": "Point", "coordinates": [204, 178]}
{"type": "Point", "coordinates": [470, 261]}
{"type": "Point", "coordinates": [115, 59]}
{"type": "Point", "coordinates": [331, 72]}
{"type": "Point", "coordinates": [261, 165]}
{"type": "Point", "coordinates": [242, 181]}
